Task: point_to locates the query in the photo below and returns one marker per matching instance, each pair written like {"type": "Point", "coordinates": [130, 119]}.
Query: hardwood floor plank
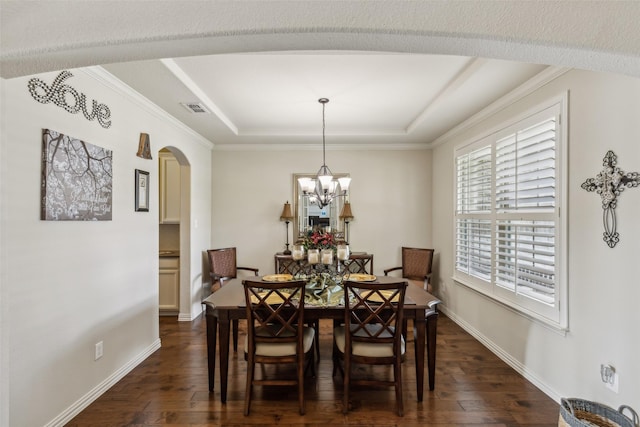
{"type": "Point", "coordinates": [170, 388]}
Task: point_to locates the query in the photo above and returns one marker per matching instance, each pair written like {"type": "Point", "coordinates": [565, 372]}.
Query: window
{"type": "Point", "coordinates": [508, 227]}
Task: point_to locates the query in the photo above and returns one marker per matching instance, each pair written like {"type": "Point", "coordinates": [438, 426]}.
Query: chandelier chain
{"type": "Point", "coordinates": [323, 101]}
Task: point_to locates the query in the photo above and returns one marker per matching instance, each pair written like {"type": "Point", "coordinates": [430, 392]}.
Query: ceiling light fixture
{"type": "Point", "coordinates": [324, 189]}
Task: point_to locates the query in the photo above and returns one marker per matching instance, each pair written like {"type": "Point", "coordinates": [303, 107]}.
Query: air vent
{"type": "Point", "coordinates": [195, 107]}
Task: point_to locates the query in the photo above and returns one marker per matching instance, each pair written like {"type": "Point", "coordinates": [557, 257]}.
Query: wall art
{"type": "Point", "coordinates": [609, 184]}
{"type": "Point", "coordinates": [144, 147]}
{"type": "Point", "coordinates": [142, 191]}
{"type": "Point", "coordinates": [66, 97]}
{"type": "Point", "coordinates": [76, 179]}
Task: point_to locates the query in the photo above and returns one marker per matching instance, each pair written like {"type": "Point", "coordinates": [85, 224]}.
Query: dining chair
{"type": "Point", "coordinates": [416, 267]}
{"type": "Point", "coordinates": [370, 335]}
{"type": "Point", "coordinates": [223, 267]}
{"type": "Point", "coordinates": [276, 334]}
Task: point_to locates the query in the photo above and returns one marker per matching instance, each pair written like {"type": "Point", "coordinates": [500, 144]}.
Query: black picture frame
{"type": "Point", "coordinates": [142, 191]}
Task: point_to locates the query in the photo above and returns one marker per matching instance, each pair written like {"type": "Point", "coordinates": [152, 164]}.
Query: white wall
{"type": "Point", "coordinates": [67, 285]}
{"type": "Point", "coordinates": [604, 291]}
{"type": "Point", "coordinates": [390, 197]}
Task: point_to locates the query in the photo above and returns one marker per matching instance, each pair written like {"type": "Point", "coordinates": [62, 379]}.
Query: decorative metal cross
{"type": "Point", "coordinates": [609, 183]}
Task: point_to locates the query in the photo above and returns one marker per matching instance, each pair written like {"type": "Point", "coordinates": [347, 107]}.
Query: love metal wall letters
{"type": "Point", "coordinates": [68, 98]}
{"type": "Point", "coordinates": [609, 183]}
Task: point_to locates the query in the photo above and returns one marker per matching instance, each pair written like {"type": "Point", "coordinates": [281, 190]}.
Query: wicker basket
{"type": "Point", "coordinates": [583, 413]}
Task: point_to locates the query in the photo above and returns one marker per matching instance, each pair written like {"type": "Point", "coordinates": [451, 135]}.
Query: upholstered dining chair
{"type": "Point", "coordinates": [276, 334]}
{"type": "Point", "coordinates": [223, 267]}
{"type": "Point", "coordinates": [370, 335]}
{"type": "Point", "coordinates": [416, 266]}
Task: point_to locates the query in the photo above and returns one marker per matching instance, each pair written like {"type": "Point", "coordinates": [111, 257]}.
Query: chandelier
{"type": "Point", "coordinates": [323, 189]}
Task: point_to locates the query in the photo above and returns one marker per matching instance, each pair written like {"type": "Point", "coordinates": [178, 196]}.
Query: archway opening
{"type": "Point", "coordinates": [174, 230]}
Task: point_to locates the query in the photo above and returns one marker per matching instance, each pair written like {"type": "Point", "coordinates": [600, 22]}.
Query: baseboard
{"type": "Point", "coordinates": [73, 410]}
{"type": "Point", "coordinates": [503, 355]}
{"type": "Point", "coordinates": [185, 317]}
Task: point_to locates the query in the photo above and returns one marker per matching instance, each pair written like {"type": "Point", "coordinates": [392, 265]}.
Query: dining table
{"type": "Point", "coordinates": [228, 304]}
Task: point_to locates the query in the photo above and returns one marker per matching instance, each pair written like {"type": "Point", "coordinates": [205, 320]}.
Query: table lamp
{"type": "Point", "coordinates": [286, 216]}
{"type": "Point", "coordinates": [346, 215]}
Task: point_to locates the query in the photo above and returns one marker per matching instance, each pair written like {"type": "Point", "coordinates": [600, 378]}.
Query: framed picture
{"type": "Point", "coordinates": [76, 179]}
{"type": "Point", "coordinates": [142, 191]}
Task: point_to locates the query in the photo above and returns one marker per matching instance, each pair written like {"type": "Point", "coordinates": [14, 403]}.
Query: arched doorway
{"type": "Point", "coordinates": [174, 184]}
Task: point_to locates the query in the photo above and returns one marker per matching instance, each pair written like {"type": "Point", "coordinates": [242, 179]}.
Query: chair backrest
{"type": "Point", "coordinates": [275, 312]}
{"type": "Point", "coordinates": [374, 313]}
{"type": "Point", "coordinates": [416, 263]}
{"type": "Point", "coordinates": [222, 263]}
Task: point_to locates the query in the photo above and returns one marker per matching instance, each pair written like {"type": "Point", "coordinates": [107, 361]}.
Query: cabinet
{"type": "Point", "coordinates": [169, 290]}
{"type": "Point", "coordinates": [169, 188]}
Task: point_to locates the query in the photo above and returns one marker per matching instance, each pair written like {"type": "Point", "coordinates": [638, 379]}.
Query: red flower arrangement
{"type": "Point", "coordinates": [318, 240]}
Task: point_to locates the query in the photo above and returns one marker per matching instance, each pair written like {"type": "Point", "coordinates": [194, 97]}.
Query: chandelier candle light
{"type": "Point", "coordinates": [323, 189]}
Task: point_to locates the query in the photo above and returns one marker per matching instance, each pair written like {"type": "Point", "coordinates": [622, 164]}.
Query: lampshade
{"type": "Point", "coordinates": [346, 213]}
{"type": "Point", "coordinates": [286, 214]}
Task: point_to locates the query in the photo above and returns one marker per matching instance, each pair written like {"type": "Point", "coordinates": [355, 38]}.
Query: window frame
{"type": "Point", "coordinates": [555, 316]}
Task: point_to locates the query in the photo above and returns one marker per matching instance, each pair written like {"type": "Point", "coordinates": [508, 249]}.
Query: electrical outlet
{"type": "Point", "coordinates": [609, 377]}
{"type": "Point", "coordinates": [613, 383]}
{"type": "Point", "coordinates": [99, 350]}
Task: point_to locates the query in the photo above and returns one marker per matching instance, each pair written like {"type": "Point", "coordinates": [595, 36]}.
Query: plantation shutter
{"type": "Point", "coordinates": [525, 169]}
{"type": "Point", "coordinates": [474, 181]}
{"type": "Point", "coordinates": [509, 239]}
{"type": "Point", "coordinates": [525, 259]}
{"type": "Point", "coordinates": [525, 181]}
{"type": "Point", "coordinates": [473, 236]}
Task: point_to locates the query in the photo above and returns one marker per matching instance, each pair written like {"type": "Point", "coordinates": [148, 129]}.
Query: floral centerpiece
{"type": "Point", "coordinates": [319, 240]}
{"type": "Point", "coordinates": [324, 279]}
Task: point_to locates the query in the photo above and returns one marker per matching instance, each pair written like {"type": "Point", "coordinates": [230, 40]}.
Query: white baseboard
{"type": "Point", "coordinates": [73, 410]}
{"type": "Point", "coordinates": [503, 355]}
{"type": "Point", "coordinates": [185, 317]}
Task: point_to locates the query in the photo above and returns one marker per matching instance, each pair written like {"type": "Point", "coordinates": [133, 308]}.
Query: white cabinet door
{"type": "Point", "coordinates": [169, 189]}
{"type": "Point", "coordinates": [169, 300]}
{"type": "Point", "coordinates": [169, 285]}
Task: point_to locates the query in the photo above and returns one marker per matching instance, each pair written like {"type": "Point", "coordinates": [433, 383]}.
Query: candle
{"type": "Point", "coordinates": [343, 252]}
{"type": "Point", "coordinates": [313, 256]}
{"type": "Point", "coordinates": [298, 252]}
{"type": "Point", "coordinates": [327, 256]}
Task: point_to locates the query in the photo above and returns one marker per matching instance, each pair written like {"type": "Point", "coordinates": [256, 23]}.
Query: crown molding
{"type": "Point", "coordinates": [184, 78]}
{"type": "Point", "coordinates": [536, 82]}
{"type": "Point", "coordinates": [109, 80]}
{"type": "Point", "coordinates": [316, 147]}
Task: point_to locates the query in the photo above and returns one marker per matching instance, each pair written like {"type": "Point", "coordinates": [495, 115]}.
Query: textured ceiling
{"type": "Point", "coordinates": [41, 35]}
{"type": "Point", "coordinates": [397, 72]}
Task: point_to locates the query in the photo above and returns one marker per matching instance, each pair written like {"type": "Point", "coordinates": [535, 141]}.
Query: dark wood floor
{"type": "Point", "coordinates": [473, 387]}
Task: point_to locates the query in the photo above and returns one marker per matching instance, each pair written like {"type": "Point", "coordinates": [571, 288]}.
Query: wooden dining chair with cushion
{"type": "Point", "coordinates": [223, 267]}
{"type": "Point", "coordinates": [276, 334]}
{"type": "Point", "coordinates": [370, 335]}
{"type": "Point", "coordinates": [416, 267]}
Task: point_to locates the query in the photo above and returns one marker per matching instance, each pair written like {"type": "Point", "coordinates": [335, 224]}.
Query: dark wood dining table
{"type": "Point", "coordinates": [227, 304]}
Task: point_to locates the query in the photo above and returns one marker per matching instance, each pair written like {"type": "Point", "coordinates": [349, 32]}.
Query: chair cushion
{"type": "Point", "coordinates": [284, 349]}
{"type": "Point", "coordinates": [365, 349]}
